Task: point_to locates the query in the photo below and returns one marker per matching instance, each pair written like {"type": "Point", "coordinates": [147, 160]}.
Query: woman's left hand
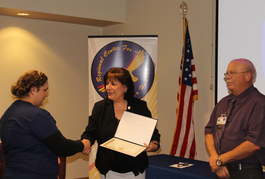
{"type": "Point", "coordinates": [152, 147]}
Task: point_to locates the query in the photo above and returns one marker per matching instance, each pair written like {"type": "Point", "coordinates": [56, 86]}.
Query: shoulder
{"type": "Point", "coordinates": [29, 111]}
{"type": "Point", "coordinates": [221, 105]}
{"type": "Point", "coordinates": [224, 100]}
{"type": "Point", "coordinates": [138, 101]}
{"type": "Point", "coordinates": [252, 97]}
{"type": "Point", "coordinates": [102, 105]}
{"type": "Point", "coordinates": [138, 106]}
{"type": "Point", "coordinates": [258, 95]}
{"type": "Point", "coordinates": [103, 102]}
{"type": "Point", "coordinates": [256, 98]}
{"type": "Point", "coordinates": [40, 116]}
{"type": "Point", "coordinates": [43, 112]}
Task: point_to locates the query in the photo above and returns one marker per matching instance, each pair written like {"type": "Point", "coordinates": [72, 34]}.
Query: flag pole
{"type": "Point", "coordinates": [183, 144]}
{"type": "Point", "coordinates": [183, 11]}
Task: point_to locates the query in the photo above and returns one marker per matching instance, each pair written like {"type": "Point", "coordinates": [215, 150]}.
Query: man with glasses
{"type": "Point", "coordinates": [235, 134]}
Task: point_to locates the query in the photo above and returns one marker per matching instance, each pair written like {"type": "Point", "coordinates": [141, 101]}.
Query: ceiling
{"type": "Point", "coordinates": [56, 17]}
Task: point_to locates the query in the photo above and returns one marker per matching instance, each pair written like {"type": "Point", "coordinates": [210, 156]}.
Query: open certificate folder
{"type": "Point", "coordinates": [133, 131]}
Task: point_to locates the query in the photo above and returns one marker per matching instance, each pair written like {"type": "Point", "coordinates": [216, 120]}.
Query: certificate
{"type": "Point", "coordinates": [133, 131]}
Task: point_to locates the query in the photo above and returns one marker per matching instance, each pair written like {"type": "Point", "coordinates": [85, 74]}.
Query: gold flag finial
{"type": "Point", "coordinates": [183, 9]}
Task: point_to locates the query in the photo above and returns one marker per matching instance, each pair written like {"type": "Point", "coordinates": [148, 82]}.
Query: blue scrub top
{"type": "Point", "coordinates": [23, 125]}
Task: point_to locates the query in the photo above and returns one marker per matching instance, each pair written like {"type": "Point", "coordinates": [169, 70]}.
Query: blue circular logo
{"type": "Point", "coordinates": [128, 55]}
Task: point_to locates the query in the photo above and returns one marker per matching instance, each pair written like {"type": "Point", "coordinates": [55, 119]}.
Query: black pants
{"type": "Point", "coordinates": [248, 173]}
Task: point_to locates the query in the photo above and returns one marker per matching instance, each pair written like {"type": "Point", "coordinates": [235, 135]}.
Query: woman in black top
{"type": "Point", "coordinates": [104, 121]}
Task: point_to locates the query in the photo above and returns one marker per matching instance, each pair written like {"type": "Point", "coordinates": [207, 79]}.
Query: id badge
{"type": "Point", "coordinates": [221, 120]}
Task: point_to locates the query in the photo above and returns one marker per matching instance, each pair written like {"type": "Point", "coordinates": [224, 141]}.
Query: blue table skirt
{"type": "Point", "coordinates": [159, 168]}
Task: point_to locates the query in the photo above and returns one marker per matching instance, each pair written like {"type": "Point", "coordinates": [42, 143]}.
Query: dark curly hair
{"type": "Point", "coordinates": [124, 77]}
{"type": "Point", "coordinates": [27, 81]}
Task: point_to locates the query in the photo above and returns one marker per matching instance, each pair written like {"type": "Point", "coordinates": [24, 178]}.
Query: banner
{"type": "Point", "coordinates": [183, 144]}
{"type": "Point", "coordinates": [137, 54]}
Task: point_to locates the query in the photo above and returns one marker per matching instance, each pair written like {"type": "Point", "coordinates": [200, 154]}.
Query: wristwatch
{"type": "Point", "coordinates": [218, 161]}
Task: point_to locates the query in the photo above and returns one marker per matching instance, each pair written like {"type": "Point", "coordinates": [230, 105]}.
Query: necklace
{"type": "Point", "coordinates": [119, 109]}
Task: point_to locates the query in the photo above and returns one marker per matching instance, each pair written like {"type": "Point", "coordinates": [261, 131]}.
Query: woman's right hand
{"type": "Point", "coordinates": [87, 147]}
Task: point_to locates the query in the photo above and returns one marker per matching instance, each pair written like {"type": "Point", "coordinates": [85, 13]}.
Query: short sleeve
{"type": "Point", "coordinates": [209, 128]}
{"type": "Point", "coordinates": [43, 124]}
{"type": "Point", "coordinates": [256, 127]}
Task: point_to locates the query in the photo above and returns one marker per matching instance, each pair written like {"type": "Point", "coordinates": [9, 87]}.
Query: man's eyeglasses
{"type": "Point", "coordinates": [232, 73]}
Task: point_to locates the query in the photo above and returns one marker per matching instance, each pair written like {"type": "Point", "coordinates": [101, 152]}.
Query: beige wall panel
{"type": "Point", "coordinates": [60, 51]}
{"type": "Point", "coordinates": [162, 18]}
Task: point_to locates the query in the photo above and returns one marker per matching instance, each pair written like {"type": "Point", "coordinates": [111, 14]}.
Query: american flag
{"type": "Point", "coordinates": [183, 144]}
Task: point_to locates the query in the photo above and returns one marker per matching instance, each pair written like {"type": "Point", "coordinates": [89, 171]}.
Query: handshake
{"type": "Point", "coordinates": [87, 147]}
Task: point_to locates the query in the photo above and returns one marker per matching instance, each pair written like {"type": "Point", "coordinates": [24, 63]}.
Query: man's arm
{"type": "Point", "coordinates": [210, 145]}
{"type": "Point", "coordinates": [242, 151]}
{"type": "Point", "coordinates": [213, 154]}
{"type": "Point", "coordinates": [222, 171]}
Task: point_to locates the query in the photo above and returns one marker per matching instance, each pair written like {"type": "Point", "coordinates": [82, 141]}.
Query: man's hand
{"type": "Point", "coordinates": [223, 172]}
{"type": "Point", "coordinates": [212, 162]}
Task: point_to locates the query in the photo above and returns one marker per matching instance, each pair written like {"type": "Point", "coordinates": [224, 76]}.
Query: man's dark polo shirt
{"type": "Point", "coordinates": [246, 123]}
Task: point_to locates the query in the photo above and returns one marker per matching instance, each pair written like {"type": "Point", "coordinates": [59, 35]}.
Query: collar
{"type": "Point", "coordinates": [240, 97]}
{"type": "Point", "coordinates": [129, 103]}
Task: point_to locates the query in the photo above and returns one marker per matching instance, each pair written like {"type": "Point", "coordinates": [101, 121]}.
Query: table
{"type": "Point", "coordinates": [159, 168]}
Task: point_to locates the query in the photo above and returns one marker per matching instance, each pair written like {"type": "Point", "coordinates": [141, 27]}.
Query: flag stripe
{"type": "Point", "coordinates": [177, 131]}
{"type": "Point", "coordinates": [187, 131]}
{"type": "Point", "coordinates": [184, 118]}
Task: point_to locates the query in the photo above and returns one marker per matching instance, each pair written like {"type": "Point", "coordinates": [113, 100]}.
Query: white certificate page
{"type": "Point", "coordinates": [123, 147]}
{"type": "Point", "coordinates": [133, 131]}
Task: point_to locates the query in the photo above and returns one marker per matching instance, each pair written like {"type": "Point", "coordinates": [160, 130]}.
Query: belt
{"type": "Point", "coordinates": [239, 166]}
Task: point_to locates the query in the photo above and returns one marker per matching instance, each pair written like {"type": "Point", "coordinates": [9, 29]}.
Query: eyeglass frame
{"type": "Point", "coordinates": [233, 73]}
